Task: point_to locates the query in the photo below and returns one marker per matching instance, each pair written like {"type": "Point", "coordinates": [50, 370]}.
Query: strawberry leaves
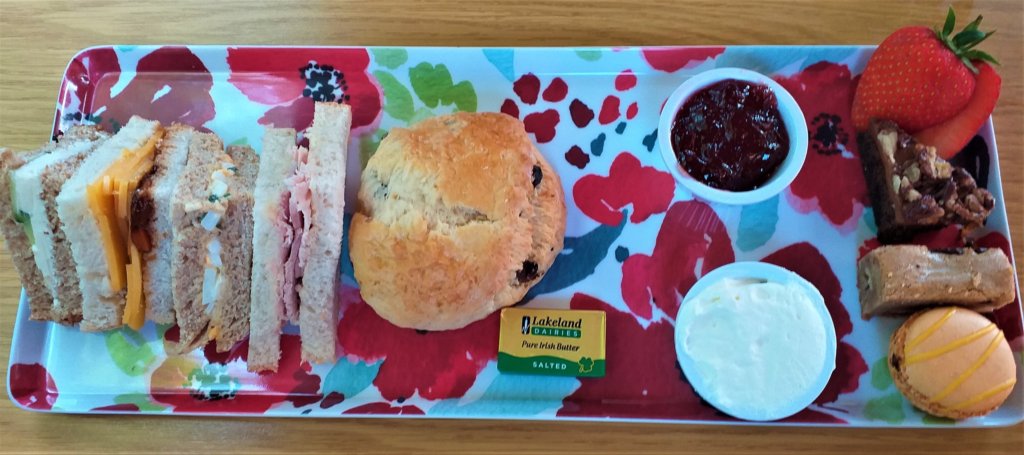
{"type": "Point", "coordinates": [962, 44]}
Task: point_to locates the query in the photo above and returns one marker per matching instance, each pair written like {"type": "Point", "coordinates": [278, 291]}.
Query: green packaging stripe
{"type": "Point", "coordinates": [549, 365]}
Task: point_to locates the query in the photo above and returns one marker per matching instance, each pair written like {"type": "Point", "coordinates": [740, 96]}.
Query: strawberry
{"type": "Point", "coordinates": [950, 136]}
{"type": "Point", "coordinates": [920, 77]}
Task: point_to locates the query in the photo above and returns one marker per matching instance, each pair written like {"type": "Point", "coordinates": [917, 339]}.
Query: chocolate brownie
{"type": "Point", "coordinates": [914, 190]}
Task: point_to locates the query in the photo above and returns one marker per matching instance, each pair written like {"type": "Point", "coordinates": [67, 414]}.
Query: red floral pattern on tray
{"type": "Point", "coordinates": [384, 408]}
{"type": "Point", "coordinates": [805, 260]}
{"type": "Point", "coordinates": [291, 81]}
{"type": "Point", "coordinates": [171, 84]}
{"type": "Point", "coordinates": [446, 363]}
{"type": "Point", "coordinates": [691, 233]}
{"type": "Point", "coordinates": [542, 104]}
{"type": "Point", "coordinates": [831, 180]}
{"type": "Point", "coordinates": [83, 76]}
{"type": "Point", "coordinates": [647, 384]}
{"type": "Point", "coordinates": [646, 189]}
{"type": "Point", "coordinates": [32, 386]}
{"type": "Point", "coordinates": [671, 59]}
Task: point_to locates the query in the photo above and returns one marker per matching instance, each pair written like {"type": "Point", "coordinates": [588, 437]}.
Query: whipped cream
{"type": "Point", "coordinates": [757, 347]}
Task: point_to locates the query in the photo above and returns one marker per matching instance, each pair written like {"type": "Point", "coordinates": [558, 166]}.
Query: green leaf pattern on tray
{"type": "Point", "coordinates": [434, 86]}
{"type": "Point", "coordinates": [888, 408]}
{"type": "Point", "coordinates": [880, 377]}
{"type": "Point", "coordinates": [130, 351]}
{"type": "Point", "coordinates": [590, 55]}
{"type": "Point", "coordinates": [390, 57]}
{"type": "Point", "coordinates": [397, 99]}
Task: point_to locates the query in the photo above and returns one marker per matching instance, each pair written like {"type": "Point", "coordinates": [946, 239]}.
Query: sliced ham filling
{"type": "Point", "coordinates": [296, 204]}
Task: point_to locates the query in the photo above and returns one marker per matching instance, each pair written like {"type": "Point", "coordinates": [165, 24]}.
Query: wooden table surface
{"type": "Point", "coordinates": [38, 37]}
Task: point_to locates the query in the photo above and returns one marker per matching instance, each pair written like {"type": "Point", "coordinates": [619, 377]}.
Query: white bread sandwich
{"type": "Point", "coordinates": [211, 218]}
{"type": "Point", "coordinates": [269, 250]}
{"type": "Point", "coordinates": [151, 221]}
{"type": "Point", "coordinates": [32, 229]}
{"type": "Point", "coordinates": [95, 208]}
{"type": "Point", "coordinates": [298, 213]}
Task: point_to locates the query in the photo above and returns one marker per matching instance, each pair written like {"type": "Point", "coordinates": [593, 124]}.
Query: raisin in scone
{"type": "Point", "coordinates": [458, 216]}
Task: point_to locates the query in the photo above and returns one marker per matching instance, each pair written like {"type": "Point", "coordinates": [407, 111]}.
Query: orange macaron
{"type": "Point", "coordinates": [952, 362]}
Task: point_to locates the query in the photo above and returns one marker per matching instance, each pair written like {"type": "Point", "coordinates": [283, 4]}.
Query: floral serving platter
{"type": "Point", "coordinates": [636, 241]}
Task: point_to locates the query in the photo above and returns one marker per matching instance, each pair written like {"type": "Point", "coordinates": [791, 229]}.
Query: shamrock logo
{"type": "Point", "coordinates": [586, 364]}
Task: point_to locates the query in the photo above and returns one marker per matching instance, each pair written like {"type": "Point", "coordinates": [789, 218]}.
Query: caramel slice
{"type": "Point", "coordinates": [901, 279]}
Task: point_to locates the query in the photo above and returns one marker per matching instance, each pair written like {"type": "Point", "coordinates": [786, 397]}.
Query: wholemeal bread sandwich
{"type": "Point", "coordinates": [229, 322]}
{"type": "Point", "coordinates": [152, 223]}
{"type": "Point", "coordinates": [299, 202]}
{"type": "Point", "coordinates": [32, 229]}
{"type": "Point", "coordinates": [211, 225]}
{"type": "Point", "coordinates": [458, 217]}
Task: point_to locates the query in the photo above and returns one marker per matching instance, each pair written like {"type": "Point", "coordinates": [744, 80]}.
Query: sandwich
{"type": "Point", "coordinates": [299, 202]}
{"type": "Point", "coordinates": [33, 231]}
{"type": "Point", "coordinates": [163, 223]}
{"type": "Point", "coordinates": [151, 221]}
{"type": "Point", "coordinates": [211, 226]}
{"type": "Point", "coordinates": [95, 204]}
{"type": "Point", "coordinates": [115, 210]}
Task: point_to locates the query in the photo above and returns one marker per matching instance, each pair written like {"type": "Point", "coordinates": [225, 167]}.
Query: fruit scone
{"type": "Point", "coordinates": [458, 216]}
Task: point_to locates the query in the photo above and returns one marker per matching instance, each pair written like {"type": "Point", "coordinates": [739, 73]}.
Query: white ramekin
{"type": "Point", "coordinates": [769, 273]}
{"type": "Point", "coordinates": [792, 116]}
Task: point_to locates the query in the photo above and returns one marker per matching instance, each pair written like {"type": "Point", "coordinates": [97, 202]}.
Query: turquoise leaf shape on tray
{"type": "Point", "coordinates": [349, 378]}
{"type": "Point", "coordinates": [346, 259]}
{"type": "Point", "coordinates": [757, 224]}
{"type": "Point", "coordinates": [579, 258]}
{"type": "Point", "coordinates": [503, 60]}
{"type": "Point", "coordinates": [889, 408]}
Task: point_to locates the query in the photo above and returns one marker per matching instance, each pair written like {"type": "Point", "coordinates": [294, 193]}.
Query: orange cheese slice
{"type": "Point", "coordinates": [135, 308]}
{"type": "Point", "coordinates": [110, 199]}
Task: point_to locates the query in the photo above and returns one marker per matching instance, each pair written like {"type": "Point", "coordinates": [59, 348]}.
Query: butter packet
{"type": "Point", "coordinates": [552, 342]}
